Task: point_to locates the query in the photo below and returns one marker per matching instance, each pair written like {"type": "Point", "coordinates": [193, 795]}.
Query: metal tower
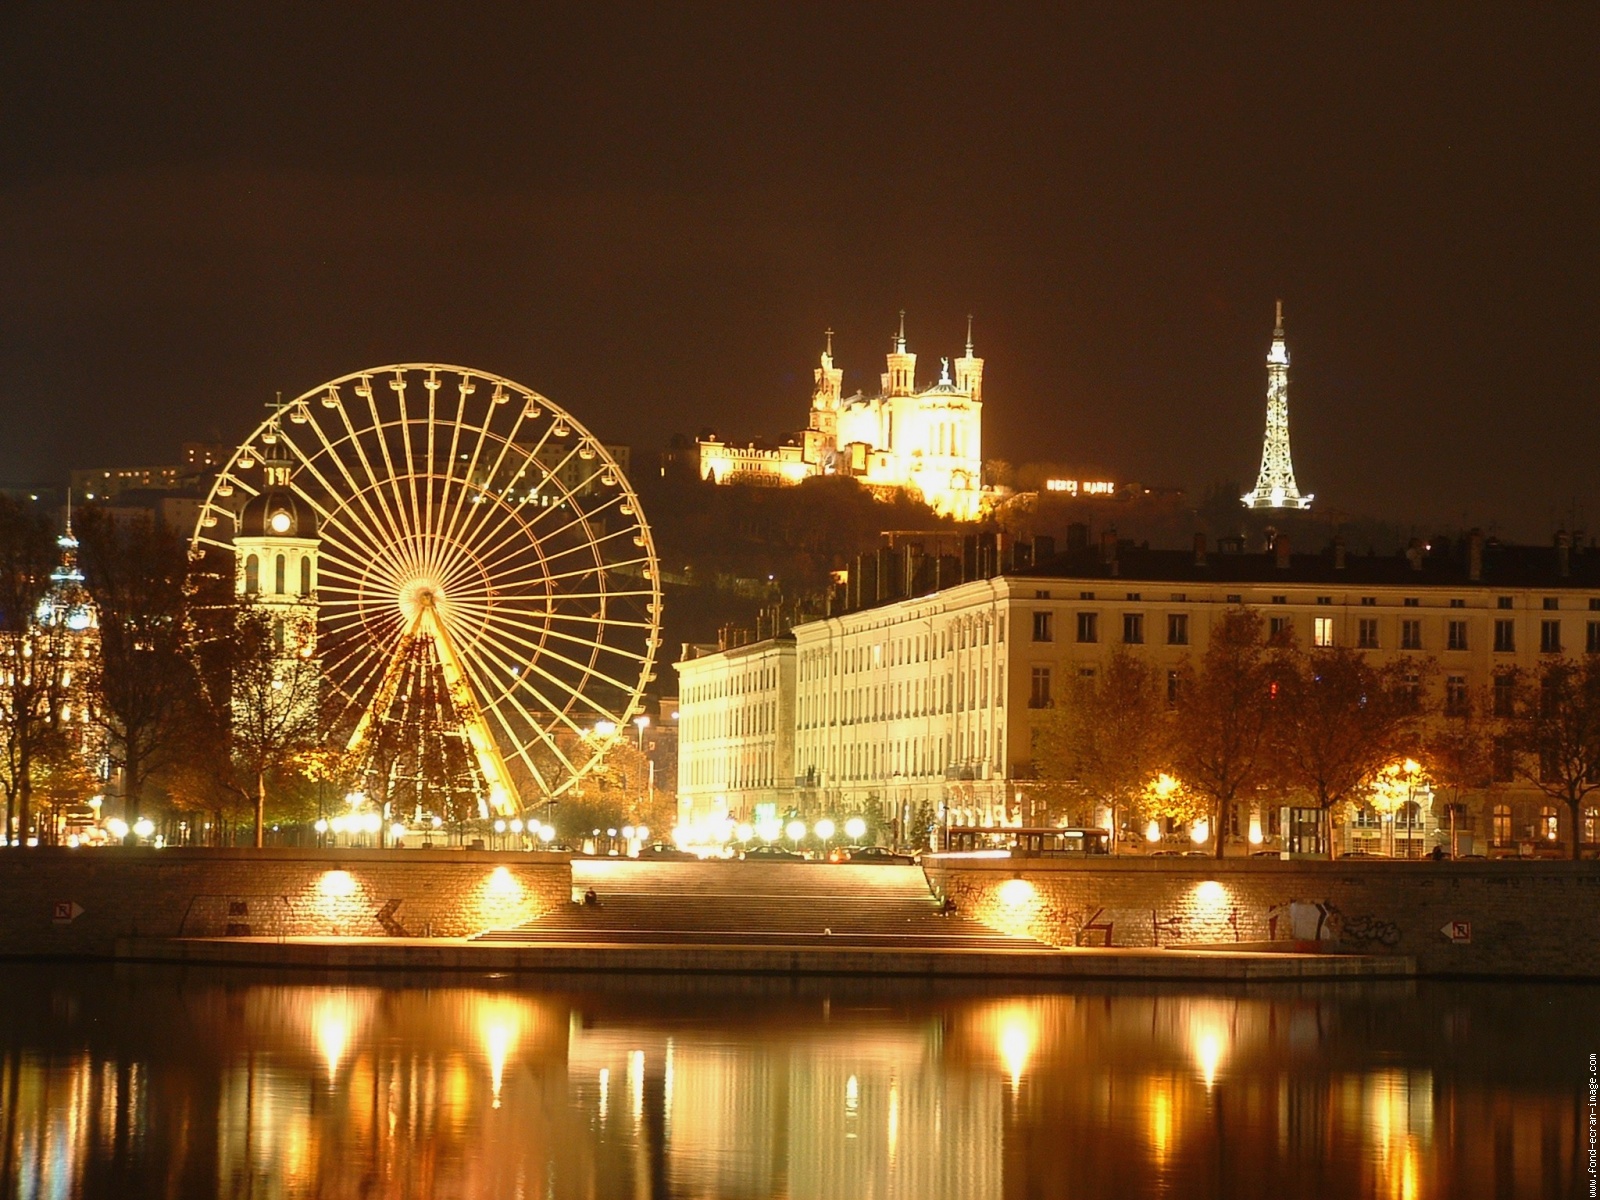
{"type": "Point", "coordinates": [1275, 486]}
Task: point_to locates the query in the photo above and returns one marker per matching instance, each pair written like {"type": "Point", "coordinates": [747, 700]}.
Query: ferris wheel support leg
{"type": "Point", "coordinates": [503, 796]}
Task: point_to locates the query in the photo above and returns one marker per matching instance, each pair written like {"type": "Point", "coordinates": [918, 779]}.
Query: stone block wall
{"type": "Point", "coordinates": [61, 901]}
{"type": "Point", "coordinates": [1477, 918]}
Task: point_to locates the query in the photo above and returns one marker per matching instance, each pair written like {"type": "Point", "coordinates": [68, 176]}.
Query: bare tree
{"type": "Point", "coordinates": [1338, 721]}
{"type": "Point", "coordinates": [1458, 751]}
{"type": "Point", "coordinates": [1108, 737]}
{"type": "Point", "coordinates": [144, 684]}
{"type": "Point", "coordinates": [1554, 729]}
{"type": "Point", "coordinates": [1221, 747]}
{"type": "Point", "coordinates": [35, 657]}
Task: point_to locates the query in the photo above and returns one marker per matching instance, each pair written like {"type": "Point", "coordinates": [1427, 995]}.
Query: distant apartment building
{"type": "Point", "coordinates": [927, 694]}
{"type": "Point", "coordinates": [736, 730]}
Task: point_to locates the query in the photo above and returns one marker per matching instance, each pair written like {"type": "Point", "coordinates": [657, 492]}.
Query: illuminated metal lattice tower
{"type": "Point", "coordinates": [1275, 486]}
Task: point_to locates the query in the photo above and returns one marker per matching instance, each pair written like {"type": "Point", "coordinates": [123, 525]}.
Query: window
{"type": "Point", "coordinates": [1182, 597]}
{"type": "Point", "coordinates": [1456, 638]}
{"type": "Point", "coordinates": [1322, 631]}
{"type": "Point", "coordinates": [1505, 763]}
{"type": "Point", "coordinates": [1039, 695]}
{"type": "Point", "coordinates": [1088, 627]}
{"type": "Point", "coordinates": [1500, 825]}
{"type": "Point", "coordinates": [1178, 629]}
{"type": "Point", "coordinates": [1589, 816]}
{"type": "Point", "coordinates": [1085, 673]}
{"type": "Point", "coordinates": [1041, 595]}
{"type": "Point", "coordinates": [277, 636]}
{"type": "Point", "coordinates": [1367, 633]}
{"type": "Point", "coordinates": [1551, 603]}
{"type": "Point", "coordinates": [1549, 824]}
{"type": "Point", "coordinates": [305, 576]}
{"type": "Point", "coordinates": [1503, 602]}
{"type": "Point", "coordinates": [1458, 604]}
{"type": "Point", "coordinates": [1592, 645]}
{"type": "Point", "coordinates": [1133, 629]}
{"type": "Point", "coordinates": [1043, 630]}
{"type": "Point", "coordinates": [1085, 595]}
{"type": "Point", "coordinates": [1369, 602]}
{"type": "Point", "coordinates": [1324, 599]}
{"type": "Point", "coordinates": [1505, 637]}
{"type": "Point", "coordinates": [1412, 602]}
{"type": "Point", "coordinates": [252, 575]}
{"type": "Point", "coordinates": [1505, 694]}
{"type": "Point", "coordinates": [1455, 695]}
{"type": "Point", "coordinates": [1235, 599]}
{"type": "Point", "coordinates": [1594, 603]}
{"type": "Point", "coordinates": [1280, 599]}
{"type": "Point", "coordinates": [279, 575]}
{"type": "Point", "coordinates": [1279, 628]}
{"type": "Point", "coordinates": [1411, 635]}
{"type": "Point", "coordinates": [1549, 637]}
{"type": "Point", "coordinates": [1133, 597]}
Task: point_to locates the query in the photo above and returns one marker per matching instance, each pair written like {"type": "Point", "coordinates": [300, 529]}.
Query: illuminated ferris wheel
{"type": "Point", "coordinates": [482, 579]}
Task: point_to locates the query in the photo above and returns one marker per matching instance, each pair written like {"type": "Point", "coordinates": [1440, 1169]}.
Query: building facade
{"type": "Point", "coordinates": [736, 731]}
{"type": "Point", "coordinates": [927, 440]}
{"type": "Point", "coordinates": [933, 700]}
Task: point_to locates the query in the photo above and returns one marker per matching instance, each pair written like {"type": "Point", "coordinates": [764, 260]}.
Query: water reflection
{"type": "Point", "coordinates": [149, 1083]}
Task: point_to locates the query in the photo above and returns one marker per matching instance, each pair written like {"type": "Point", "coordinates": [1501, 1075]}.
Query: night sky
{"type": "Point", "coordinates": [651, 214]}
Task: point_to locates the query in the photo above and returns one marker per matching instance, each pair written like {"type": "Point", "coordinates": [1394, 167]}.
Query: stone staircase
{"type": "Point", "coordinates": [786, 904]}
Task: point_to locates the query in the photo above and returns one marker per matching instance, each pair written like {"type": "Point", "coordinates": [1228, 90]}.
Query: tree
{"type": "Point", "coordinates": [35, 658]}
{"type": "Point", "coordinates": [144, 684]}
{"type": "Point", "coordinates": [1166, 797]}
{"type": "Point", "coordinates": [274, 692]}
{"type": "Point", "coordinates": [1554, 730]}
{"type": "Point", "coordinates": [1339, 721]}
{"type": "Point", "coordinates": [1109, 736]}
{"type": "Point", "coordinates": [1222, 720]}
{"type": "Point", "coordinates": [1458, 752]}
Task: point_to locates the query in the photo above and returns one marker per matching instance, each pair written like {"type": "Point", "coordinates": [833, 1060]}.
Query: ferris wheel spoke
{"type": "Point", "coordinates": [508, 620]}
{"type": "Point", "coordinates": [473, 532]}
{"type": "Point", "coordinates": [459, 532]}
{"type": "Point", "coordinates": [476, 667]}
{"type": "Point", "coordinates": [540, 650]}
{"type": "Point", "coordinates": [380, 429]}
{"type": "Point", "coordinates": [398, 385]}
{"type": "Point", "coordinates": [586, 519]}
{"type": "Point", "coordinates": [369, 491]}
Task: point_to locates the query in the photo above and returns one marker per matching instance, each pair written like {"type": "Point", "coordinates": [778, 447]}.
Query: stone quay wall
{"type": "Point", "coordinates": [1452, 918]}
{"type": "Point", "coordinates": [79, 902]}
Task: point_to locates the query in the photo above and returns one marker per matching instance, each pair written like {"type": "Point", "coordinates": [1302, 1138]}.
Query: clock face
{"type": "Point", "coordinates": [280, 522]}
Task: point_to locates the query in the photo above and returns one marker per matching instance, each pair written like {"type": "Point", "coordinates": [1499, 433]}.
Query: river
{"type": "Point", "coordinates": [134, 1082]}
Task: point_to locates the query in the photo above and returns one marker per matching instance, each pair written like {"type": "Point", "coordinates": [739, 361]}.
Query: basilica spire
{"type": "Point", "coordinates": [1275, 486]}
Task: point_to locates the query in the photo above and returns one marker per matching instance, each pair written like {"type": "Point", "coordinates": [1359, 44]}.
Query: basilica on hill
{"type": "Point", "coordinates": [926, 440]}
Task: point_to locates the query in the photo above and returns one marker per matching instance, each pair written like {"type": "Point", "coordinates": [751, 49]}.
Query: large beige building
{"type": "Point", "coordinates": [736, 731]}
{"type": "Point", "coordinates": [925, 439]}
{"type": "Point", "coordinates": [933, 699]}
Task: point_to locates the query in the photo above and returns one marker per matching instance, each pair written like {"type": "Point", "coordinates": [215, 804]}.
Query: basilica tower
{"type": "Point", "coordinates": [1275, 486]}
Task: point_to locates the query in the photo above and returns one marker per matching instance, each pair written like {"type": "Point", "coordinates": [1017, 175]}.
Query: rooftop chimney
{"type": "Point", "coordinates": [1199, 549]}
{"type": "Point", "coordinates": [1414, 554]}
{"type": "Point", "coordinates": [1563, 554]}
{"type": "Point", "coordinates": [1280, 551]}
{"type": "Point", "coordinates": [1108, 549]}
{"type": "Point", "coordinates": [1338, 553]}
{"type": "Point", "coordinates": [1475, 555]}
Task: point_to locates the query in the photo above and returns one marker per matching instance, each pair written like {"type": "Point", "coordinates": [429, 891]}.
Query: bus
{"type": "Point", "coordinates": [1028, 843]}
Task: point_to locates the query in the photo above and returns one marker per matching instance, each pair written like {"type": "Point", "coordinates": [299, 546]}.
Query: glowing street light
{"type": "Point", "coordinates": [855, 829]}
{"type": "Point", "coordinates": [795, 831]}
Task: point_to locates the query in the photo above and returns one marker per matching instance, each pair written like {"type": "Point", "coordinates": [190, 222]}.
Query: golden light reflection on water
{"type": "Point", "coordinates": [306, 1090]}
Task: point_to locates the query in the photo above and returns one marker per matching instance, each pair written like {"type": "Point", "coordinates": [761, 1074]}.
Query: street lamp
{"type": "Point", "coordinates": [641, 723]}
{"type": "Point", "coordinates": [795, 831]}
{"type": "Point", "coordinates": [824, 830]}
{"type": "Point", "coordinates": [855, 829]}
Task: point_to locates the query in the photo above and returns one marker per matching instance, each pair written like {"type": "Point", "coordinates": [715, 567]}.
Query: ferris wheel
{"type": "Point", "coordinates": [475, 559]}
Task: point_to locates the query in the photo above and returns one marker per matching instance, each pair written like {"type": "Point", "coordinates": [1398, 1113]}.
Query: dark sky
{"type": "Point", "coordinates": [650, 213]}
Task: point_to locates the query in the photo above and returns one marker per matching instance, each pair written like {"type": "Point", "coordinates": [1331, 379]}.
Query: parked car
{"type": "Point", "coordinates": [1362, 854]}
{"type": "Point", "coordinates": [876, 854]}
{"type": "Point", "coordinates": [769, 853]}
{"type": "Point", "coordinates": [666, 852]}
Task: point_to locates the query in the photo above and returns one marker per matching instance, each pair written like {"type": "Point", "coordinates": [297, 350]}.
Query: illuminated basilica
{"type": "Point", "coordinates": [927, 440]}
